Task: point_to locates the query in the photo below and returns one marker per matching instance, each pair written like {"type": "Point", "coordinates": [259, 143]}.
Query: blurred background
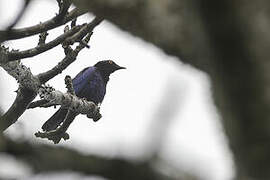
{"type": "Point", "coordinates": [159, 109]}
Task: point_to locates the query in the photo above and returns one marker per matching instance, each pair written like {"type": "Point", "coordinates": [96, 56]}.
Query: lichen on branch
{"type": "Point", "coordinates": [70, 102]}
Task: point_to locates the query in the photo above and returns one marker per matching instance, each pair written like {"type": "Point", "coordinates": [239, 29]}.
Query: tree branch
{"type": "Point", "coordinates": [71, 55]}
{"type": "Point", "coordinates": [74, 108]}
{"type": "Point", "coordinates": [85, 30]}
{"type": "Point", "coordinates": [71, 102]}
{"type": "Point", "coordinates": [39, 28]}
{"type": "Point", "coordinates": [12, 56]}
{"type": "Point", "coordinates": [44, 158]}
{"type": "Point", "coordinates": [22, 74]}
{"type": "Point", "coordinates": [28, 86]}
{"type": "Point", "coordinates": [23, 98]}
{"type": "Point", "coordinates": [68, 101]}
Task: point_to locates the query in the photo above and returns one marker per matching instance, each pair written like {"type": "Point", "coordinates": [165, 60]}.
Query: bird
{"type": "Point", "coordinates": [89, 84]}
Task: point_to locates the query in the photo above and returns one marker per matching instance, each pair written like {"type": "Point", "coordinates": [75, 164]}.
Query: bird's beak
{"type": "Point", "coordinates": [119, 67]}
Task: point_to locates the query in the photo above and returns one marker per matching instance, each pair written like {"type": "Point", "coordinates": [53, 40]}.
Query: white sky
{"type": "Point", "coordinates": [133, 96]}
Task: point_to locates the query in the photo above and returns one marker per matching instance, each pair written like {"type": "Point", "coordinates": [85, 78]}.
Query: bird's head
{"type": "Point", "coordinates": [107, 67]}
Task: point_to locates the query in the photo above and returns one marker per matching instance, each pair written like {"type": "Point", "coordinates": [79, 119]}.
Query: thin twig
{"type": "Point", "coordinates": [77, 37]}
{"type": "Point", "coordinates": [42, 38]}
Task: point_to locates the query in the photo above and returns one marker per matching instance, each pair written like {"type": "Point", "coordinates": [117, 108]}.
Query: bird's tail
{"type": "Point", "coordinates": [54, 121]}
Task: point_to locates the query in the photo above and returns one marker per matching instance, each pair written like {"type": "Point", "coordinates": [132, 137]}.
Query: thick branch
{"type": "Point", "coordinates": [39, 28]}
{"type": "Point", "coordinates": [29, 85]}
{"type": "Point", "coordinates": [22, 74]}
{"type": "Point", "coordinates": [71, 102]}
{"type": "Point", "coordinates": [241, 81]}
{"type": "Point", "coordinates": [45, 103]}
{"type": "Point", "coordinates": [23, 98]}
{"type": "Point", "coordinates": [43, 158]}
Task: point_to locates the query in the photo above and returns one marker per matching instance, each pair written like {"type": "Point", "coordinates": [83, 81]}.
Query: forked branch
{"type": "Point", "coordinates": [29, 85]}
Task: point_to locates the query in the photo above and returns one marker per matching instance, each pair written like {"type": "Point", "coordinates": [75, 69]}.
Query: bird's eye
{"type": "Point", "coordinates": [110, 62]}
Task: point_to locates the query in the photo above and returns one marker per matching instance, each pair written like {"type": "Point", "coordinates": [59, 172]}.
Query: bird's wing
{"type": "Point", "coordinates": [94, 89]}
{"type": "Point", "coordinates": [81, 79]}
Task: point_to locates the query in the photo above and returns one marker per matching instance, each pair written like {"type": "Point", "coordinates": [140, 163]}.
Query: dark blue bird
{"type": "Point", "coordinates": [90, 84]}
